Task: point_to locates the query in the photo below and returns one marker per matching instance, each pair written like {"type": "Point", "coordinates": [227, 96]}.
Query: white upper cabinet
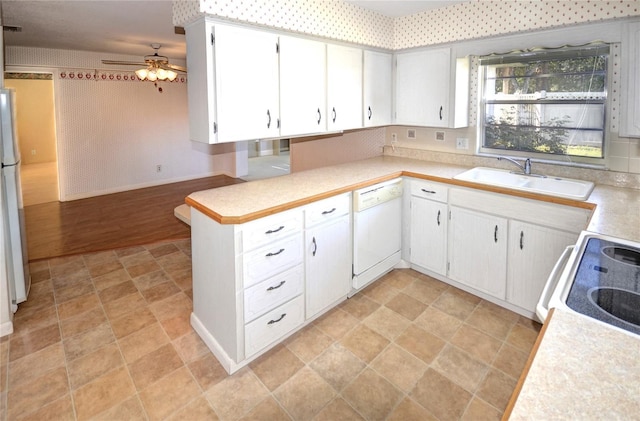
{"type": "Point", "coordinates": [423, 87]}
{"type": "Point", "coordinates": [630, 112]}
{"type": "Point", "coordinates": [302, 86]}
{"type": "Point", "coordinates": [377, 88]}
{"type": "Point", "coordinates": [344, 87]}
{"type": "Point", "coordinates": [246, 83]}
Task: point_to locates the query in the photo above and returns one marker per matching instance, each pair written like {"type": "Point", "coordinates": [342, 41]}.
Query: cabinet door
{"type": "Point", "coordinates": [344, 87]}
{"type": "Point", "coordinates": [429, 234]}
{"type": "Point", "coordinates": [302, 86]}
{"type": "Point", "coordinates": [377, 82]}
{"type": "Point", "coordinates": [327, 264]}
{"type": "Point", "coordinates": [246, 69]}
{"type": "Point", "coordinates": [533, 250]}
{"type": "Point", "coordinates": [631, 95]}
{"type": "Point", "coordinates": [478, 250]}
{"type": "Point", "coordinates": [423, 88]}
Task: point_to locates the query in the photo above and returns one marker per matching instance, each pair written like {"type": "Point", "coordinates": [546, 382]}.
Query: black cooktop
{"type": "Point", "coordinates": [607, 284]}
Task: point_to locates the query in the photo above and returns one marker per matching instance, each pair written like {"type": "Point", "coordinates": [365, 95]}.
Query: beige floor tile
{"type": "Point", "coordinates": [117, 291]}
{"type": "Point", "coordinates": [178, 325]}
{"type": "Point", "coordinates": [72, 291]}
{"type": "Point", "coordinates": [136, 257]}
{"type": "Point", "coordinates": [438, 323]}
{"type": "Point", "coordinates": [33, 395]}
{"type": "Point", "coordinates": [82, 322]}
{"type": "Point", "coordinates": [440, 396]}
{"type": "Point", "coordinates": [28, 321]}
{"type": "Point", "coordinates": [387, 322]}
{"type": "Point", "coordinates": [35, 365]}
{"type": "Point", "coordinates": [161, 249]}
{"type": "Point", "coordinates": [142, 268]}
{"type": "Point", "coordinates": [67, 267]}
{"type": "Point", "coordinates": [479, 410]}
{"type": "Point", "coordinates": [39, 300]}
{"type": "Point", "coordinates": [88, 341]}
{"type": "Point", "coordinates": [308, 343]}
{"type": "Point", "coordinates": [160, 291]}
{"type": "Point", "coordinates": [511, 360]}
{"type": "Point", "coordinates": [171, 307]}
{"type": "Point", "coordinates": [454, 304]}
{"type": "Point", "coordinates": [522, 337]}
{"type": "Point", "coordinates": [142, 342]}
{"type": "Point", "coordinates": [91, 366]}
{"type": "Point", "coordinates": [420, 343]}
{"type": "Point", "coordinates": [104, 268]}
{"type": "Point", "coordinates": [236, 395]}
{"type": "Point", "coordinates": [490, 322]}
{"type": "Point", "coordinates": [276, 366]}
{"type": "Point", "coordinates": [207, 371]}
{"type": "Point", "coordinates": [365, 343]}
{"type": "Point", "coordinates": [338, 409]}
{"type": "Point", "coordinates": [60, 409]}
{"type": "Point", "coordinates": [151, 279]}
{"type": "Point", "coordinates": [174, 261]}
{"type": "Point", "coordinates": [425, 289]}
{"type": "Point", "coordinates": [120, 307]}
{"type": "Point", "coordinates": [399, 279]}
{"type": "Point", "coordinates": [78, 305]}
{"type": "Point", "coordinates": [399, 367]}
{"type": "Point", "coordinates": [478, 344]}
{"type": "Point", "coordinates": [33, 341]}
{"type": "Point", "coordinates": [155, 365]}
{"type": "Point", "coordinates": [103, 393]}
{"type": "Point", "coordinates": [304, 395]}
{"type": "Point", "coordinates": [496, 389]}
{"type": "Point", "coordinates": [501, 312]}
{"type": "Point", "coordinates": [111, 279]}
{"type": "Point", "coordinates": [183, 278]}
{"type": "Point", "coordinates": [406, 306]}
{"type": "Point", "coordinates": [338, 366]}
{"type": "Point", "coordinates": [408, 410]}
{"type": "Point", "coordinates": [380, 292]}
{"type": "Point", "coordinates": [268, 409]}
{"type": "Point", "coordinates": [359, 306]}
{"type": "Point", "coordinates": [130, 409]}
{"type": "Point", "coordinates": [169, 394]}
{"type": "Point", "coordinates": [132, 322]}
{"type": "Point", "coordinates": [190, 347]}
{"type": "Point", "coordinates": [129, 251]}
{"type": "Point", "coordinates": [198, 409]}
{"type": "Point", "coordinates": [336, 323]}
{"type": "Point", "coordinates": [94, 259]}
{"type": "Point", "coordinates": [372, 395]}
{"type": "Point", "coordinates": [460, 367]}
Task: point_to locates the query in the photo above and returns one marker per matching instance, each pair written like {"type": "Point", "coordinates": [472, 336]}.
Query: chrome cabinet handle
{"type": "Point", "coordinates": [315, 246]}
{"type": "Point", "coordinates": [438, 218]}
{"type": "Point", "coordinates": [274, 254]}
{"type": "Point", "coordinates": [269, 119]}
{"type": "Point", "coordinates": [428, 191]}
{"type": "Point", "coordinates": [275, 230]}
{"type": "Point", "coordinates": [270, 322]}
{"type": "Point", "coordinates": [319, 116]}
{"type": "Point", "coordinates": [495, 234]}
{"type": "Point", "coordinates": [370, 113]}
{"type": "Point", "coordinates": [334, 114]}
{"type": "Point", "coordinates": [271, 288]}
{"type": "Point", "coordinates": [329, 211]}
{"type": "Point", "coordinates": [441, 112]}
{"type": "Point", "coordinates": [521, 240]}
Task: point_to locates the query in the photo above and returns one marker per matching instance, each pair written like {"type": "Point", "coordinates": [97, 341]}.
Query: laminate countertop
{"type": "Point", "coordinates": [579, 369]}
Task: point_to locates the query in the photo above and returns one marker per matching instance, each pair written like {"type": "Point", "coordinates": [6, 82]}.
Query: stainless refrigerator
{"type": "Point", "coordinates": [12, 210]}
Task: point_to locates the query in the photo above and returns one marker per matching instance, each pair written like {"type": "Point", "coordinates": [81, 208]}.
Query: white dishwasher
{"type": "Point", "coordinates": [377, 227]}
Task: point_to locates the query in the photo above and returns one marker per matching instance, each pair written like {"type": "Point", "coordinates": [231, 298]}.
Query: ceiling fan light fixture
{"type": "Point", "coordinates": [171, 75]}
{"type": "Point", "coordinates": [142, 73]}
{"type": "Point", "coordinates": [152, 76]}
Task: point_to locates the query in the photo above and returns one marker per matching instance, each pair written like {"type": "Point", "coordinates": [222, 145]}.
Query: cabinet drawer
{"type": "Point", "coordinates": [272, 259]}
{"type": "Point", "coordinates": [271, 293]}
{"type": "Point", "coordinates": [429, 190]}
{"type": "Point", "coordinates": [271, 228]}
{"type": "Point", "coordinates": [273, 325]}
{"type": "Point", "coordinates": [327, 209]}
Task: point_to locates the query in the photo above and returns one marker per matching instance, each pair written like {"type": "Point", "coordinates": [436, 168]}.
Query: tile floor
{"type": "Point", "coordinates": [106, 336]}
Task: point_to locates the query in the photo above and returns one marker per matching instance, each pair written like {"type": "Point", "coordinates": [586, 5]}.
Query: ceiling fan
{"type": "Point", "coordinates": [156, 67]}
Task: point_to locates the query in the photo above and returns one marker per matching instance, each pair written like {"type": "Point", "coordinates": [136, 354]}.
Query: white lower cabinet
{"type": "Point", "coordinates": [478, 251]}
{"type": "Point", "coordinates": [533, 251]}
{"type": "Point", "coordinates": [429, 221]}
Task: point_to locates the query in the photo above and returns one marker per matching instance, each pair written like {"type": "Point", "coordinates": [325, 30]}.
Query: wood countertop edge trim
{"type": "Point", "coordinates": [527, 367]}
{"type": "Point", "coordinates": [241, 219]}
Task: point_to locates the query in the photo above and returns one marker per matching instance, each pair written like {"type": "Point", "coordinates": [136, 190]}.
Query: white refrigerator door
{"type": "Point", "coordinates": [9, 150]}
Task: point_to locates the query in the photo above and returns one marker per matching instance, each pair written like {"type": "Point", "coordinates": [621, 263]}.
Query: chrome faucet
{"type": "Point", "coordinates": [525, 168]}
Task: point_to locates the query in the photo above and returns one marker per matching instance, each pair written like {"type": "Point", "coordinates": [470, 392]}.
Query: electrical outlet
{"type": "Point", "coordinates": [440, 136]}
{"type": "Point", "coordinates": [394, 138]}
{"type": "Point", "coordinates": [158, 168]}
{"type": "Point", "coordinates": [462, 143]}
{"type": "Point", "coordinates": [411, 133]}
{"type": "Point", "coordinates": [33, 151]}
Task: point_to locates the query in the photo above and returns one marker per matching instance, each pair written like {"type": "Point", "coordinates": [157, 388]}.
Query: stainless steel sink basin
{"type": "Point", "coordinates": [552, 186]}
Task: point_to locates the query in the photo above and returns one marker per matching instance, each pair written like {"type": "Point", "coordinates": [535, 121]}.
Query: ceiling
{"type": "Point", "coordinates": [128, 27]}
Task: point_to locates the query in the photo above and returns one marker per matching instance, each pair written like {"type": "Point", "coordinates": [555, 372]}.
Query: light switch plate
{"type": "Point", "coordinates": [440, 136]}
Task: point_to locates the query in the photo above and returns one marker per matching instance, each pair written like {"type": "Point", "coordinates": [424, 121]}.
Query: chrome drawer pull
{"type": "Point", "coordinates": [274, 254]}
{"type": "Point", "coordinates": [275, 230]}
{"type": "Point", "coordinates": [428, 191]}
{"type": "Point", "coordinates": [277, 286]}
{"type": "Point", "coordinates": [270, 322]}
{"type": "Point", "coordinates": [328, 212]}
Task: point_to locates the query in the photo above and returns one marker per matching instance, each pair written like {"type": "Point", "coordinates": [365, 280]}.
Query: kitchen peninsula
{"type": "Point", "coordinates": [218, 217]}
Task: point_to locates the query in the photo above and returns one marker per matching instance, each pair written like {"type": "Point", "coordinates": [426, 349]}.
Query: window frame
{"type": "Point", "coordinates": [558, 53]}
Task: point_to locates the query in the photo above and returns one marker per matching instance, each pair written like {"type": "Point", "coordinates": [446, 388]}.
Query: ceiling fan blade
{"type": "Point", "coordinates": [123, 63]}
{"type": "Point", "coordinates": [177, 68]}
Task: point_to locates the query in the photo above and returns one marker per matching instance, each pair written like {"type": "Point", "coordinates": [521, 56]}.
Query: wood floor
{"type": "Point", "coordinates": [112, 221]}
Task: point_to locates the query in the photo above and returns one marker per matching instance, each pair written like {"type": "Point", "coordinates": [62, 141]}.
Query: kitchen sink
{"type": "Point", "coordinates": [553, 186]}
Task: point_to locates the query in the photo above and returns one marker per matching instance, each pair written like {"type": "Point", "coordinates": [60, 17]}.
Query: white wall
{"type": "Point", "coordinates": [112, 133]}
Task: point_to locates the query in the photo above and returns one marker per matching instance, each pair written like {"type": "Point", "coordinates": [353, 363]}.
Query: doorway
{"type": "Point", "coordinates": [35, 124]}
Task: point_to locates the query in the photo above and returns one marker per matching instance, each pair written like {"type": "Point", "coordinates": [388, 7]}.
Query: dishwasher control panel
{"type": "Point", "coordinates": [378, 193]}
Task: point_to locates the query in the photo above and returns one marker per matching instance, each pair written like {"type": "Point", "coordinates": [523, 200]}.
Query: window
{"type": "Point", "coordinates": [546, 101]}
